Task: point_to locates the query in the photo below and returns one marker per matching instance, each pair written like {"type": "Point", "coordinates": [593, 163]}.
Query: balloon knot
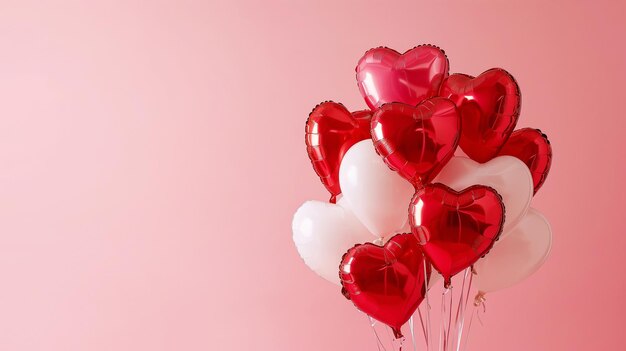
{"type": "Point", "coordinates": [480, 298]}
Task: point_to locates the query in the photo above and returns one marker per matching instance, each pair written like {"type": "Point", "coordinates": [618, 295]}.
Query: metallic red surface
{"type": "Point", "coordinates": [455, 229]}
{"type": "Point", "coordinates": [330, 131]}
{"type": "Point", "coordinates": [384, 75]}
{"type": "Point", "coordinates": [386, 282]}
{"type": "Point", "coordinates": [533, 148]}
{"type": "Point", "coordinates": [489, 106]}
{"type": "Point", "coordinates": [417, 141]}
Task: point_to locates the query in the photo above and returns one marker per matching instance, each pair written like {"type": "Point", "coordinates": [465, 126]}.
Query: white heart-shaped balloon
{"type": "Point", "coordinates": [508, 175]}
{"type": "Point", "coordinates": [323, 232]}
{"type": "Point", "coordinates": [517, 256]}
{"type": "Point", "coordinates": [378, 196]}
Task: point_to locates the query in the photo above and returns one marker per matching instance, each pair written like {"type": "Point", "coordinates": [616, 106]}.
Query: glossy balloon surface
{"type": "Point", "coordinates": [533, 148]}
{"type": "Point", "coordinates": [454, 228]}
{"type": "Point", "coordinates": [384, 75]}
{"type": "Point", "coordinates": [489, 106]}
{"type": "Point", "coordinates": [323, 232]}
{"type": "Point", "coordinates": [386, 282]}
{"type": "Point", "coordinates": [377, 195]}
{"type": "Point", "coordinates": [330, 131]}
{"type": "Point", "coordinates": [416, 141]}
{"type": "Point", "coordinates": [506, 174]}
{"type": "Point", "coordinates": [517, 256]}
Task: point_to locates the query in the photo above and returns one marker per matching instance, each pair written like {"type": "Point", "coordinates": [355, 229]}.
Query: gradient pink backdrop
{"type": "Point", "coordinates": [152, 155]}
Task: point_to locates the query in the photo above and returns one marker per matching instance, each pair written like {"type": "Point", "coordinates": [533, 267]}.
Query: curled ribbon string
{"type": "Point", "coordinates": [484, 309]}
{"type": "Point", "coordinates": [480, 300]}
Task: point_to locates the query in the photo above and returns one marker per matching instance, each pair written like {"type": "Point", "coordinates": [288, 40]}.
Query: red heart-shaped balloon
{"type": "Point", "coordinates": [386, 282]}
{"type": "Point", "coordinates": [489, 106]}
{"type": "Point", "coordinates": [330, 131]}
{"type": "Point", "coordinates": [454, 228]}
{"type": "Point", "coordinates": [416, 141]}
{"type": "Point", "coordinates": [533, 148]}
{"type": "Point", "coordinates": [384, 75]}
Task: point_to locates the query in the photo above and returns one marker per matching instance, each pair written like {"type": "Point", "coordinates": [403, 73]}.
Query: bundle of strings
{"type": "Point", "coordinates": [453, 330]}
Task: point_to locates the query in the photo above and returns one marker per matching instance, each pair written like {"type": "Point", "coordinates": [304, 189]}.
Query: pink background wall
{"type": "Point", "coordinates": [152, 155]}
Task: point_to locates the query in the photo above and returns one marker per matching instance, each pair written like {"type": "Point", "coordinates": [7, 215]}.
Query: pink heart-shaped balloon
{"type": "Point", "coordinates": [416, 141]}
{"type": "Point", "coordinates": [384, 75]}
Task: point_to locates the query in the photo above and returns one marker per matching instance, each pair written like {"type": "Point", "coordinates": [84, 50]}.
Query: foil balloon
{"type": "Point", "coordinates": [416, 141]}
{"type": "Point", "coordinates": [330, 131]}
{"type": "Point", "coordinates": [489, 106]}
{"type": "Point", "coordinates": [506, 174]}
{"type": "Point", "coordinates": [377, 195]}
{"type": "Point", "coordinates": [386, 282]}
{"type": "Point", "coordinates": [517, 256]}
{"type": "Point", "coordinates": [323, 232]}
{"type": "Point", "coordinates": [533, 148]}
{"type": "Point", "coordinates": [384, 75]}
{"type": "Point", "coordinates": [454, 228]}
{"type": "Point", "coordinates": [434, 277]}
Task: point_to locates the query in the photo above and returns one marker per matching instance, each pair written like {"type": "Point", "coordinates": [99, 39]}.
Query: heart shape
{"type": "Point", "coordinates": [517, 256]}
{"type": "Point", "coordinates": [454, 228]}
{"type": "Point", "coordinates": [330, 131]}
{"type": "Point", "coordinates": [506, 174]}
{"type": "Point", "coordinates": [416, 141]}
{"type": "Point", "coordinates": [489, 106]}
{"type": "Point", "coordinates": [384, 75]}
{"type": "Point", "coordinates": [386, 282]}
{"type": "Point", "coordinates": [533, 148]}
{"type": "Point", "coordinates": [377, 195]}
{"type": "Point", "coordinates": [323, 232]}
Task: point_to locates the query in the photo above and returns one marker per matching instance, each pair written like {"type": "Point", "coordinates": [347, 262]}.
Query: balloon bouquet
{"type": "Point", "coordinates": [406, 211]}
